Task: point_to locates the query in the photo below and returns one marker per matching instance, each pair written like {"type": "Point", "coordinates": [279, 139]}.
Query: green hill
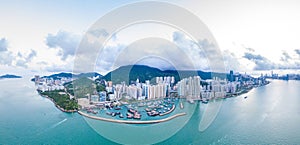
{"type": "Point", "coordinates": [132, 72]}
{"type": "Point", "coordinates": [81, 87]}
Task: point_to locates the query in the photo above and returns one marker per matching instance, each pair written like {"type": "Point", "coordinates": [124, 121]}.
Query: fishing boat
{"type": "Point", "coordinates": [147, 109]}
{"type": "Point", "coordinates": [129, 115]}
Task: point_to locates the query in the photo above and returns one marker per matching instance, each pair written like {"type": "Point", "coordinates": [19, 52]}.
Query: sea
{"type": "Point", "coordinates": [268, 115]}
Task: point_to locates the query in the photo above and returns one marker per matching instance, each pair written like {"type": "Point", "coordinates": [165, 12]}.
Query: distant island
{"type": "Point", "coordinates": [9, 76]}
{"type": "Point", "coordinates": [142, 93]}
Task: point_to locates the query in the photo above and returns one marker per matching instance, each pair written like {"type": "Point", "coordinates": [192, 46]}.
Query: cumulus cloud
{"type": "Point", "coordinates": [23, 60]}
{"type": "Point", "coordinates": [31, 55]}
{"type": "Point", "coordinates": [98, 32]}
{"type": "Point", "coordinates": [60, 68]}
{"type": "Point", "coordinates": [3, 45]}
{"type": "Point", "coordinates": [179, 53]}
{"type": "Point", "coordinates": [22, 63]}
{"type": "Point", "coordinates": [6, 58]}
{"type": "Point", "coordinates": [198, 51]}
{"type": "Point", "coordinates": [65, 42]}
{"type": "Point", "coordinates": [250, 49]}
{"type": "Point", "coordinates": [261, 62]}
{"type": "Point", "coordinates": [297, 51]}
{"type": "Point", "coordinates": [285, 57]}
{"type": "Point", "coordinates": [231, 61]}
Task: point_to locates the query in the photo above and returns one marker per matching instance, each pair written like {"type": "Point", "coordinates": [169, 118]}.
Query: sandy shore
{"type": "Point", "coordinates": [130, 121]}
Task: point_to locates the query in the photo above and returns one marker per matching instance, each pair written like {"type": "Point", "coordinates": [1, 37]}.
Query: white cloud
{"type": "Point", "coordinates": [180, 53]}
{"type": "Point", "coordinates": [297, 52]}
{"type": "Point", "coordinates": [3, 44]}
{"type": "Point", "coordinates": [23, 60]}
{"type": "Point", "coordinates": [65, 42]}
{"type": "Point", "coordinates": [6, 58]}
{"type": "Point", "coordinates": [263, 63]}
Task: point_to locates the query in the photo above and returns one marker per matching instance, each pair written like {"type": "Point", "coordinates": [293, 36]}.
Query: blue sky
{"type": "Point", "coordinates": [40, 36]}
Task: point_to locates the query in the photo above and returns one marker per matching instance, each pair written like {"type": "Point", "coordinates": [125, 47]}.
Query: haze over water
{"type": "Point", "coordinates": [270, 115]}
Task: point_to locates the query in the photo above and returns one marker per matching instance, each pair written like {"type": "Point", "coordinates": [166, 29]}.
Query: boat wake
{"type": "Point", "coordinates": [58, 123]}
{"type": "Point", "coordinates": [53, 126]}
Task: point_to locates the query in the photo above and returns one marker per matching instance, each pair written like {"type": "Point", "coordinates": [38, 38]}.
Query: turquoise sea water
{"type": "Point", "coordinates": [270, 115]}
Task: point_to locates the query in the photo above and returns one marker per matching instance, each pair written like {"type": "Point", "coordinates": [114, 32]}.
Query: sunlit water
{"type": "Point", "coordinates": [270, 115]}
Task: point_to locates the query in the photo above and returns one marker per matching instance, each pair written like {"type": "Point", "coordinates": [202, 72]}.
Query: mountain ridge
{"type": "Point", "coordinates": [130, 73]}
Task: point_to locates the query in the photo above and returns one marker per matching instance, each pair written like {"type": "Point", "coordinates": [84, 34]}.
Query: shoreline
{"type": "Point", "coordinates": [57, 106]}
{"type": "Point", "coordinates": [131, 122]}
{"type": "Point", "coordinates": [245, 91]}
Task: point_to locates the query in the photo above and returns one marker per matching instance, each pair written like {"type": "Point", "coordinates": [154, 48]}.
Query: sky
{"type": "Point", "coordinates": [42, 37]}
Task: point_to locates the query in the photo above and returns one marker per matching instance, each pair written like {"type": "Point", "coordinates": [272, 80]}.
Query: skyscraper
{"type": "Point", "coordinates": [231, 76]}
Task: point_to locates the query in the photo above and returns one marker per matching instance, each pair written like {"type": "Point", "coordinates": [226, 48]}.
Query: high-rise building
{"type": "Point", "coordinates": [231, 77]}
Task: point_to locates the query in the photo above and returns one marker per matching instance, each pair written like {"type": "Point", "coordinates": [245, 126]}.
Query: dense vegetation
{"type": "Point", "coordinates": [62, 99]}
{"type": "Point", "coordinates": [100, 87]}
{"type": "Point", "coordinates": [81, 87]}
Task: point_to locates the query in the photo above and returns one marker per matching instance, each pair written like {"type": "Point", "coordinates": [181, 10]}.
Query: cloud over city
{"type": "Point", "coordinates": [286, 61]}
{"type": "Point", "coordinates": [261, 62]}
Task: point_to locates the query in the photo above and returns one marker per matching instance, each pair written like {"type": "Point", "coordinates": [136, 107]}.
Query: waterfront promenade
{"type": "Point", "coordinates": [130, 121]}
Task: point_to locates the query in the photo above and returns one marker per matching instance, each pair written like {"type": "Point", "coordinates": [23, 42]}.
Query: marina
{"type": "Point", "coordinates": [143, 111]}
{"type": "Point", "coordinates": [130, 121]}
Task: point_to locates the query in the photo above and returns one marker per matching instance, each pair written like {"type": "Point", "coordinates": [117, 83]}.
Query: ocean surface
{"type": "Point", "coordinates": [269, 115]}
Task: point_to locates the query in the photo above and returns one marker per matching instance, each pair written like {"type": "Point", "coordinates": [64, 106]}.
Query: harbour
{"type": "Point", "coordinates": [269, 115]}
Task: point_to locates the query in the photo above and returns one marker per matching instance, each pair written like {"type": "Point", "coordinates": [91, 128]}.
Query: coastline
{"type": "Point", "coordinates": [129, 121]}
{"type": "Point", "coordinates": [57, 106]}
{"type": "Point", "coordinates": [237, 94]}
